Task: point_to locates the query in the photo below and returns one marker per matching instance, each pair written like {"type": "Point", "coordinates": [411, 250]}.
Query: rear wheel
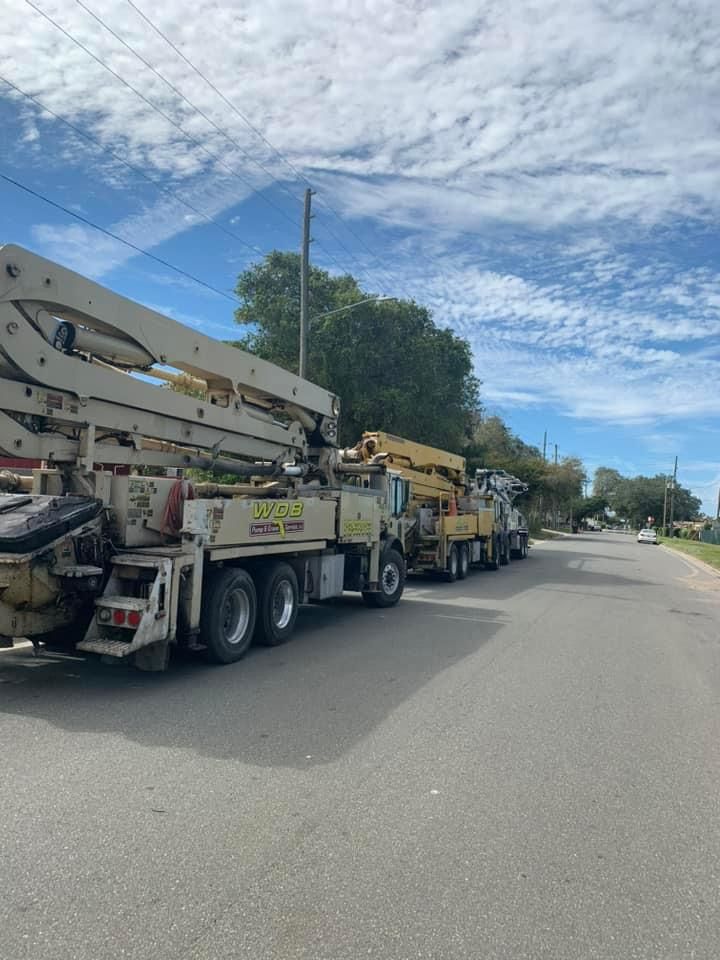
{"type": "Point", "coordinates": [453, 564]}
{"type": "Point", "coordinates": [463, 561]}
{"type": "Point", "coordinates": [391, 581]}
{"type": "Point", "coordinates": [494, 562]}
{"type": "Point", "coordinates": [229, 611]}
{"type": "Point", "coordinates": [278, 603]}
{"type": "Point", "coordinates": [505, 552]}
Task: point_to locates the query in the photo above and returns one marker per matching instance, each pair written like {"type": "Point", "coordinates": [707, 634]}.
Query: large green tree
{"type": "Point", "coordinates": [392, 366]}
{"type": "Point", "coordinates": [637, 498]}
{"type": "Point", "coordinates": [605, 482]}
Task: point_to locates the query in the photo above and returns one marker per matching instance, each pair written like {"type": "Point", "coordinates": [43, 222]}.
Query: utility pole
{"type": "Point", "coordinates": [304, 282]}
{"type": "Point", "coordinates": [672, 498]}
{"type": "Point", "coordinates": [667, 484]}
{"type": "Point", "coordinates": [555, 454]}
{"type": "Point", "coordinates": [545, 445]}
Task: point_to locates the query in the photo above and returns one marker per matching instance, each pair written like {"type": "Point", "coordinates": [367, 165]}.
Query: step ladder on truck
{"type": "Point", "coordinates": [109, 547]}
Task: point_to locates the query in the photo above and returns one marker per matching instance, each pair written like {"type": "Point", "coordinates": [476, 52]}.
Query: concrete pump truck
{"type": "Point", "coordinates": [108, 547]}
{"type": "Point", "coordinates": [447, 523]}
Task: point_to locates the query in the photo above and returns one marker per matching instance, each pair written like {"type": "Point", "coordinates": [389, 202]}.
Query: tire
{"type": "Point", "coordinates": [64, 639]}
{"type": "Point", "coordinates": [463, 561]}
{"type": "Point", "coordinates": [505, 553]}
{"type": "Point", "coordinates": [278, 604]}
{"type": "Point", "coordinates": [453, 564]}
{"type": "Point", "coordinates": [392, 581]}
{"type": "Point", "coordinates": [494, 564]}
{"type": "Point", "coordinates": [229, 611]}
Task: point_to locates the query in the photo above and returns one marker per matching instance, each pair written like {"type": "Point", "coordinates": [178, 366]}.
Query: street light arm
{"type": "Point", "coordinates": [351, 306]}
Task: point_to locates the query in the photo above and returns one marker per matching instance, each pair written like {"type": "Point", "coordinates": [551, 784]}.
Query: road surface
{"type": "Point", "coordinates": [522, 765]}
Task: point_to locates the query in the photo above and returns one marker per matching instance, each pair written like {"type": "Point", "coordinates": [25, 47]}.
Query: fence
{"type": "Point", "coordinates": [710, 536]}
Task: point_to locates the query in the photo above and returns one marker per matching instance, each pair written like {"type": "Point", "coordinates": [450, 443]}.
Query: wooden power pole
{"type": "Point", "coordinates": [304, 282]}
{"type": "Point", "coordinates": [672, 497]}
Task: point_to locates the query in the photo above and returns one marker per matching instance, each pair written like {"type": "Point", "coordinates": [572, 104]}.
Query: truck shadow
{"type": "Point", "coordinates": [346, 669]}
{"type": "Point", "coordinates": [308, 702]}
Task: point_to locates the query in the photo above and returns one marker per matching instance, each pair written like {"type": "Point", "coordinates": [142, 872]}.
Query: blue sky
{"type": "Point", "coordinates": [544, 176]}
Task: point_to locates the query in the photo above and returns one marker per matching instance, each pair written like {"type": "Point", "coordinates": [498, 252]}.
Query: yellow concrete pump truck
{"type": "Point", "coordinates": [446, 523]}
{"type": "Point", "coordinates": [108, 547]}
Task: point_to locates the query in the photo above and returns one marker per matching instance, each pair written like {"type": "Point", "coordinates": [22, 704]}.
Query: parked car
{"type": "Point", "coordinates": [647, 536]}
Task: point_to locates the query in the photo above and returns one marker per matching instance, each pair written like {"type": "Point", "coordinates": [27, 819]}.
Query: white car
{"type": "Point", "coordinates": [647, 536]}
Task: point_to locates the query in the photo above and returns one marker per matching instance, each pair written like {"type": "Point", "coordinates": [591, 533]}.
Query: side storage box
{"type": "Point", "coordinates": [325, 575]}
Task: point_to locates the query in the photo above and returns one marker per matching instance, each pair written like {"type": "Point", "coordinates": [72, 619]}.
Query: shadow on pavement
{"type": "Point", "coordinates": [346, 669]}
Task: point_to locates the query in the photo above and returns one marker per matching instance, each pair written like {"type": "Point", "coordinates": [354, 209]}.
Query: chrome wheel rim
{"type": "Point", "coordinates": [390, 578]}
{"type": "Point", "coordinates": [236, 617]}
{"type": "Point", "coordinates": [283, 604]}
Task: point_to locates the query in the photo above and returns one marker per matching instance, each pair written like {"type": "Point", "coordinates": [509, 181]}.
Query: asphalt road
{"type": "Point", "coordinates": [522, 765]}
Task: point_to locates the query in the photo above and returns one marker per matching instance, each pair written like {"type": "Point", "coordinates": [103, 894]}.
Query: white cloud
{"type": "Point", "coordinates": [524, 111]}
{"type": "Point", "coordinates": [478, 133]}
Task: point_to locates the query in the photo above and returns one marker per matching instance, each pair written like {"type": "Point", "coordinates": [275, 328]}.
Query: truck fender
{"type": "Point", "coordinates": [392, 543]}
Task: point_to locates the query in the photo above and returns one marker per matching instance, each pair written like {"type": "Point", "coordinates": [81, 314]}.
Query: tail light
{"type": "Point", "coordinates": [134, 618]}
{"type": "Point", "coordinates": [118, 617]}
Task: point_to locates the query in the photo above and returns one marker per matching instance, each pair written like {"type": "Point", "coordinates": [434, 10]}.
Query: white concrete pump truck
{"type": "Point", "coordinates": [107, 547]}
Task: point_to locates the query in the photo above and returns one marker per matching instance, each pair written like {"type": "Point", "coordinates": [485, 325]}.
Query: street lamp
{"type": "Point", "coordinates": [304, 327]}
{"type": "Point", "coordinates": [351, 306]}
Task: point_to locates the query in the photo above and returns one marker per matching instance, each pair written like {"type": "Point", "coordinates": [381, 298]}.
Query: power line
{"type": "Point", "coordinates": [357, 237]}
{"type": "Point", "coordinates": [197, 110]}
{"type": "Point", "coordinates": [157, 109]}
{"type": "Point", "coordinates": [177, 126]}
{"type": "Point", "coordinates": [115, 236]}
{"type": "Point", "coordinates": [131, 166]}
{"type": "Point", "coordinates": [296, 173]}
{"type": "Point", "coordinates": [350, 253]}
{"type": "Point", "coordinates": [222, 96]}
{"type": "Point", "coordinates": [229, 103]}
{"type": "Point", "coordinates": [165, 116]}
{"type": "Point", "coordinates": [140, 172]}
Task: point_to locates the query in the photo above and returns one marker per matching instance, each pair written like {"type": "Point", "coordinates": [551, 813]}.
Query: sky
{"type": "Point", "coordinates": [544, 176]}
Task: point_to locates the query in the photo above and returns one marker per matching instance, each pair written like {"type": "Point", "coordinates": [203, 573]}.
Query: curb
{"type": "Point", "coordinates": [694, 561]}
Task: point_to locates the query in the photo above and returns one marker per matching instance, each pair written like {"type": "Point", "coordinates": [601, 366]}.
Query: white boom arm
{"type": "Point", "coordinates": [68, 351]}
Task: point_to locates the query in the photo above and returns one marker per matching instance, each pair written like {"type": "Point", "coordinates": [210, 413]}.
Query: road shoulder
{"type": "Point", "coordinates": [693, 561]}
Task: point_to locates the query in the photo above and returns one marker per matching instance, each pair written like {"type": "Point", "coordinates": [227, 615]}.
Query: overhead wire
{"type": "Point", "coordinates": [165, 116]}
{"type": "Point", "coordinates": [115, 236]}
{"type": "Point", "coordinates": [131, 166]}
{"type": "Point", "coordinates": [299, 175]}
{"type": "Point", "coordinates": [181, 95]}
{"type": "Point", "coordinates": [224, 133]}
{"type": "Point", "coordinates": [153, 106]}
{"type": "Point", "coordinates": [189, 136]}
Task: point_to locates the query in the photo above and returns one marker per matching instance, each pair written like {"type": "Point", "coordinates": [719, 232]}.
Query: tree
{"type": "Point", "coordinates": [605, 482]}
{"type": "Point", "coordinates": [392, 366]}
{"type": "Point", "coordinates": [492, 444]}
{"type": "Point", "coordinates": [637, 498]}
{"type": "Point", "coordinates": [554, 489]}
{"type": "Point", "coordinates": [590, 507]}
{"type": "Point", "coordinates": [564, 483]}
